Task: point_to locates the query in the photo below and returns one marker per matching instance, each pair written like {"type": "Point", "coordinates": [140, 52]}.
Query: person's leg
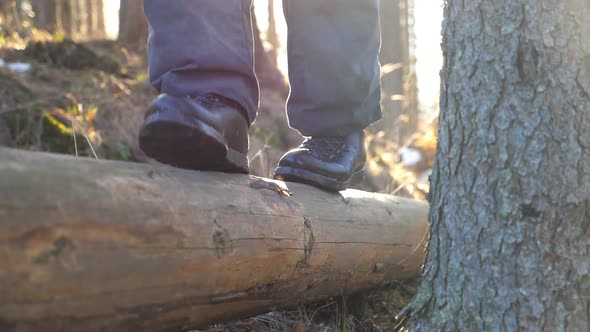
{"type": "Point", "coordinates": [201, 60]}
{"type": "Point", "coordinates": [198, 47]}
{"type": "Point", "coordinates": [334, 72]}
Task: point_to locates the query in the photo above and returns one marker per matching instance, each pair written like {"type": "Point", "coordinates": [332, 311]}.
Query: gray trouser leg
{"type": "Point", "coordinates": [196, 47]}
{"type": "Point", "coordinates": [334, 70]}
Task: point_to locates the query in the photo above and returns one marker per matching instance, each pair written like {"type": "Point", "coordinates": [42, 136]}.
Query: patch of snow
{"type": "Point", "coordinates": [19, 67]}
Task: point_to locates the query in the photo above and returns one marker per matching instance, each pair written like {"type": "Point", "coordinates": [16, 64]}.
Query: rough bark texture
{"type": "Point", "coordinates": [108, 246]}
{"type": "Point", "coordinates": [510, 209]}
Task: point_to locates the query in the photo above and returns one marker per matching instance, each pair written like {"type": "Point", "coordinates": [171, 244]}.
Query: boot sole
{"type": "Point", "coordinates": [292, 174]}
{"type": "Point", "coordinates": [198, 147]}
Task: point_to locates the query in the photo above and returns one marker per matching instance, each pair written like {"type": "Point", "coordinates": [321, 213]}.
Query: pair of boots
{"type": "Point", "coordinates": [210, 132]}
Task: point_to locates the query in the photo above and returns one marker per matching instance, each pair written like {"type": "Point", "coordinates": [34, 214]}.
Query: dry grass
{"type": "Point", "coordinates": [373, 311]}
{"type": "Point", "coordinates": [47, 99]}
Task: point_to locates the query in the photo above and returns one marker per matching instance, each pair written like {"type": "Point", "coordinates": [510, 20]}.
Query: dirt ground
{"type": "Point", "coordinates": [88, 99]}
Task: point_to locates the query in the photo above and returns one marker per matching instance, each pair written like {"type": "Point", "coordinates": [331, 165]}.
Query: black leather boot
{"type": "Point", "coordinates": [329, 163]}
{"type": "Point", "coordinates": [203, 133]}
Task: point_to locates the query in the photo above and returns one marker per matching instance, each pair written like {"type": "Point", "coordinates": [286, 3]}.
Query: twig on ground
{"type": "Point", "coordinates": [73, 119]}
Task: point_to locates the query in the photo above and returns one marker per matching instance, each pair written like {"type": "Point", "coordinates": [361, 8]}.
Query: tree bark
{"type": "Point", "coordinates": [133, 26]}
{"type": "Point", "coordinates": [74, 18]}
{"type": "Point", "coordinates": [410, 100]}
{"type": "Point", "coordinates": [269, 75]}
{"type": "Point", "coordinates": [82, 18]}
{"type": "Point", "coordinates": [272, 35]}
{"type": "Point", "coordinates": [95, 245]}
{"type": "Point", "coordinates": [6, 12]}
{"type": "Point", "coordinates": [46, 15]}
{"type": "Point", "coordinates": [100, 23]}
{"type": "Point", "coordinates": [5, 7]}
{"type": "Point", "coordinates": [399, 89]}
{"type": "Point", "coordinates": [510, 210]}
{"type": "Point", "coordinates": [66, 17]}
{"type": "Point", "coordinates": [95, 19]}
{"type": "Point", "coordinates": [394, 59]}
{"type": "Point", "coordinates": [91, 17]}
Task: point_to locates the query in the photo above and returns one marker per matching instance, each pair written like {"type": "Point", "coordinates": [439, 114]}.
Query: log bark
{"type": "Point", "coordinates": [91, 245]}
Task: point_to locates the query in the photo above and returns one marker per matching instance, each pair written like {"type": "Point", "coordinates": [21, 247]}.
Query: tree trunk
{"type": "Point", "coordinates": [100, 21]}
{"type": "Point", "coordinates": [18, 12]}
{"type": "Point", "coordinates": [74, 11]}
{"type": "Point", "coordinates": [6, 12]}
{"type": "Point", "coordinates": [272, 35]}
{"type": "Point", "coordinates": [133, 27]}
{"type": "Point", "coordinates": [399, 90]}
{"type": "Point", "coordinates": [5, 7]}
{"type": "Point", "coordinates": [91, 17]}
{"type": "Point", "coordinates": [393, 60]}
{"type": "Point", "coordinates": [46, 15]}
{"type": "Point", "coordinates": [109, 246]}
{"type": "Point", "coordinates": [510, 210]}
{"type": "Point", "coordinates": [82, 18]}
{"type": "Point", "coordinates": [66, 17]}
{"type": "Point", "coordinates": [95, 19]}
{"type": "Point", "coordinates": [410, 100]}
{"type": "Point", "coordinates": [269, 75]}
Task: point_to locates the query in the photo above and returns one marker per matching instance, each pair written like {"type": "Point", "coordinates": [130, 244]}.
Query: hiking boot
{"type": "Point", "coordinates": [331, 163]}
{"type": "Point", "coordinates": [209, 133]}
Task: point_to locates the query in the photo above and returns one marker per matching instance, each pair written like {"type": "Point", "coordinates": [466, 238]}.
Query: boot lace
{"type": "Point", "coordinates": [213, 99]}
{"type": "Point", "coordinates": [328, 148]}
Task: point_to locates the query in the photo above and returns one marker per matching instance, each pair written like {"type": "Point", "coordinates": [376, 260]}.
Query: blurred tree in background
{"type": "Point", "coordinates": [400, 113]}
{"type": "Point", "coordinates": [133, 27]}
{"type": "Point", "coordinates": [70, 18]}
{"type": "Point", "coordinates": [10, 15]}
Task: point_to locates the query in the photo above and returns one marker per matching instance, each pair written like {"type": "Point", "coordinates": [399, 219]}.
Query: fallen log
{"type": "Point", "coordinates": [91, 245]}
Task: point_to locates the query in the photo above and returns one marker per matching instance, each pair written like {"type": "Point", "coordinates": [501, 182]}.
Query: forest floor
{"type": "Point", "coordinates": [88, 99]}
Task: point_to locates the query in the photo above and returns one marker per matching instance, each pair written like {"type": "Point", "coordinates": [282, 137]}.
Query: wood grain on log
{"type": "Point", "coordinates": [91, 245]}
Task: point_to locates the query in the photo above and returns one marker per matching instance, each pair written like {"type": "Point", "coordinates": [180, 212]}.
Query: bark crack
{"type": "Point", "coordinates": [308, 243]}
